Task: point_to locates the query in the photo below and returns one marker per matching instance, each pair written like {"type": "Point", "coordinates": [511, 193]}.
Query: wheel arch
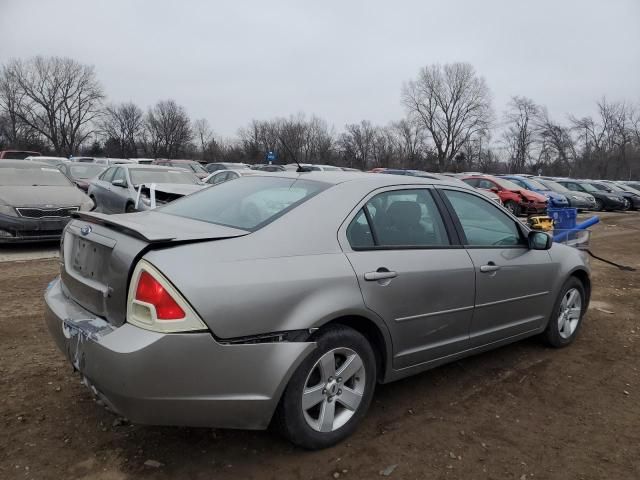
{"type": "Point", "coordinates": [377, 336]}
{"type": "Point", "coordinates": [583, 276]}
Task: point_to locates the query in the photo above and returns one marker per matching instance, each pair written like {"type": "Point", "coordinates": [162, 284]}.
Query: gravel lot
{"type": "Point", "coordinates": [521, 412]}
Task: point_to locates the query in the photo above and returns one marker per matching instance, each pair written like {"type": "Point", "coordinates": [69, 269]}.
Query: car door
{"type": "Point", "coordinates": [101, 189]}
{"type": "Point", "coordinates": [119, 193]}
{"type": "Point", "coordinates": [412, 272]}
{"type": "Point", "coordinates": [512, 281]}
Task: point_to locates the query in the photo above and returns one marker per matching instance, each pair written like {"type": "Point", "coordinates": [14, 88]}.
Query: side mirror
{"type": "Point", "coordinates": [539, 240]}
{"type": "Point", "coordinates": [118, 182]}
{"type": "Point", "coordinates": [495, 189]}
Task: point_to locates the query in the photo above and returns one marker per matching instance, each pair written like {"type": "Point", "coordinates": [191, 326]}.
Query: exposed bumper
{"type": "Point", "coordinates": [173, 379]}
{"type": "Point", "coordinates": [21, 229]}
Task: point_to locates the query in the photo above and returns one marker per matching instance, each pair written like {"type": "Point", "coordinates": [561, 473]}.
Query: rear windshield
{"type": "Point", "coordinates": [247, 203]}
{"type": "Point", "coordinates": [148, 175]}
{"type": "Point", "coordinates": [32, 177]}
{"type": "Point", "coordinates": [86, 171]}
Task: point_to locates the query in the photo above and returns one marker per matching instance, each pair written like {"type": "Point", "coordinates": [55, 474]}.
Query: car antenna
{"type": "Point", "coordinates": [295, 159]}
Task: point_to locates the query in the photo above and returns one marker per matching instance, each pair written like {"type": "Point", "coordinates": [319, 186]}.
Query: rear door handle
{"type": "Point", "coordinates": [380, 274]}
{"type": "Point", "coordinates": [489, 267]}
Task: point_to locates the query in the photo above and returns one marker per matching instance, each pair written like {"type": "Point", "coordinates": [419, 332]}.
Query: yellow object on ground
{"type": "Point", "coordinates": [541, 222]}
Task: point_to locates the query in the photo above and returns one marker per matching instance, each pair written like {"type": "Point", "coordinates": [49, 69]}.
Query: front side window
{"type": "Point", "coordinates": [486, 184]}
{"type": "Point", "coordinates": [482, 222]}
{"type": "Point", "coordinates": [107, 176]}
{"type": "Point", "coordinates": [398, 218]}
{"type": "Point", "coordinates": [121, 176]}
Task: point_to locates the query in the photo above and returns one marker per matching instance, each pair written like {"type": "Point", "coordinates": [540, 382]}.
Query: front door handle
{"type": "Point", "coordinates": [380, 274]}
{"type": "Point", "coordinates": [489, 267]}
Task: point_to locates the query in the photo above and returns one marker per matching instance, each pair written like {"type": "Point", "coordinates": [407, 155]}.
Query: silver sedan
{"type": "Point", "coordinates": [287, 297]}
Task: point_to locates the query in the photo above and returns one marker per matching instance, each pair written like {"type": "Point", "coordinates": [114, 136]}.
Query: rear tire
{"type": "Point", "coordinates": [513, 207]}
{"type": "Point", "coordinates": [95, 204]}
{"type": "Point", "coordinates": [567, 314]}
{"type": "Point", "coordinates": [330, 392]}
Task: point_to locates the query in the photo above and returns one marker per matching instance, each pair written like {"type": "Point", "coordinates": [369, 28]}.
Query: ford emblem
{"type": "Point", "coordinates": [86, 230]}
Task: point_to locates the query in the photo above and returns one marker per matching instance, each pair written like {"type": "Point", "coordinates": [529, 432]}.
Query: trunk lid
{"type": "Point", "coordinates": [99, 252]}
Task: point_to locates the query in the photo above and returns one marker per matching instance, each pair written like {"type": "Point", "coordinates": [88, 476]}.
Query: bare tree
{"type": "Point", "coordinates": [58, 98]}
{"type": "Point", "coordinates": [122, 126]}
{"type": "Point", "coordinates": [356, 144]}
{"type": "Point", "coordinates": [520, 134]}
{"type": "Point", "coordinates": [557, 145]}
{"type": "Point", "coordinates": [451, 103]}
{"type": "Point", "coordinates": [206, 141]}
{"type": "Point", "coordinates": [167, 130]}
{"type": "Point", "coordinates": [410, 143]}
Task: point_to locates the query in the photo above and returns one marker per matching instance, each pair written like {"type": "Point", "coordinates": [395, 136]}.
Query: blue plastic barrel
{"type": "Point", "coordinates": [563, 218]}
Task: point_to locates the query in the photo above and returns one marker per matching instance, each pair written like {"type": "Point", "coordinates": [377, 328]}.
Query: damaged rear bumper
{"type": "Point", "coordinates": [173, 379]}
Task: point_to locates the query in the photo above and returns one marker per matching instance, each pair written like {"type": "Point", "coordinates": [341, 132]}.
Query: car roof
{"type": "Point", "coordinates": [142, 166]}
{"type": "Point", "coordinates": [23, 164]}
{"type": "Point", "coordinates": [339, 177]}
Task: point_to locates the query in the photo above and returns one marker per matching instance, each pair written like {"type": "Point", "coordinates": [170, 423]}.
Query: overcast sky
{"type": "Point", "coordinates": [231, 61]}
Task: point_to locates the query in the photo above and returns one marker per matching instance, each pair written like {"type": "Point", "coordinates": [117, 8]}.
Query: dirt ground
{"type": "Point", "coordinates": [520, 412]}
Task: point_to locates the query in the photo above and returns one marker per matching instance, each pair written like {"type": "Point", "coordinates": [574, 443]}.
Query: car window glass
{"type": "Point", "coordinates": [359, 232]}
{"type": "Point", "coordinates": [483, 223]}
{"type": "Point", "coordinates": [249, 203]}
{"type": "Point", "coordinates": [120, 175]}
{"type": "Point", "coordinates": [107, 176]}
{"type": "Point", "coordinates": [486, 184]}
{"type": "Point", "coordinates": [406, 218]}
{"type": "Point", "coordinates": [520, 183]}
{"type": "Point", "coordinates": [471, 181]}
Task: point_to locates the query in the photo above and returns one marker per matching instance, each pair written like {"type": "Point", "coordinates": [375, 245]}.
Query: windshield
{"type": "Point", "coordinates": [247, 203]}
{"type": "Point", "coordinates": [193, 166]}
{"type": "Point", "coordinates": [613, 187]}
{"type": "Point", "coordinates": [86, 171]}
{"type": "Point", "coordinates": [590, 188]}
{"type": "Point", "coordinates": [509, 185]}
{"type": "Point", "coordinates": [536, 184]}
{"type": "Point", "coordinates": [148, 175]}
{"type": "Point", "coordinates": [601, 186]}
{"type": "Point", "coordinates": [555, 186]}
{"type": "Point", "coordinates": [33, 177]}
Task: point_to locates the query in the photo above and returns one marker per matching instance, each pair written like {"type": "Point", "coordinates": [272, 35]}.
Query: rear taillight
{"type": "Point", "coordinates": [155, 304]}
{"type": "Point", "coordinates": [150, 291]}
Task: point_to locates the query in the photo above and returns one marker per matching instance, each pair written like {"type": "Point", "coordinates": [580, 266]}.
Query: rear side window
{"type": "Point", "coordinates": [248, 203]}
{"type": "Point", "coordinates": [482, 222]}
{"type": "Point", "coordinates": [397, 219]}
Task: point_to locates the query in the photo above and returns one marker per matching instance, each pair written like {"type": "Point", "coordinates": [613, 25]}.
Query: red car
{"type": "Point", "coordinates": [515, 198]}
{"type": "Point", "coordinates": [18, 154]}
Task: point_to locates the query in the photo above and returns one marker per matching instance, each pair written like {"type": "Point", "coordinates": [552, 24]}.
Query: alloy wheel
{"type": "Point", "coordinates": [333, 389]}
{"type": "Point", "coordinates": [570, 310]}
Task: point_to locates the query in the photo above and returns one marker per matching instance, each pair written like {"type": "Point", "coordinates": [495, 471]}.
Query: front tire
{"type": "Point", "coordinates": [130, 208]}
{"type": "Point", "coordinates": [330, 392]}
{"type": "Point", "coordinates": [568, 311]}
{"type": "Point", "coordinates": [599, 205]}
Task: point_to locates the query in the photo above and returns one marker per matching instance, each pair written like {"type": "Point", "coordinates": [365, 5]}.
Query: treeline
{"type": "Point", "coordinates": [58, 106]}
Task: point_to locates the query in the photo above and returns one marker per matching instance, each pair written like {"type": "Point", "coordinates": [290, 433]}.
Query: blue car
{"type": "Point", "coordinates": [556, 200]}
